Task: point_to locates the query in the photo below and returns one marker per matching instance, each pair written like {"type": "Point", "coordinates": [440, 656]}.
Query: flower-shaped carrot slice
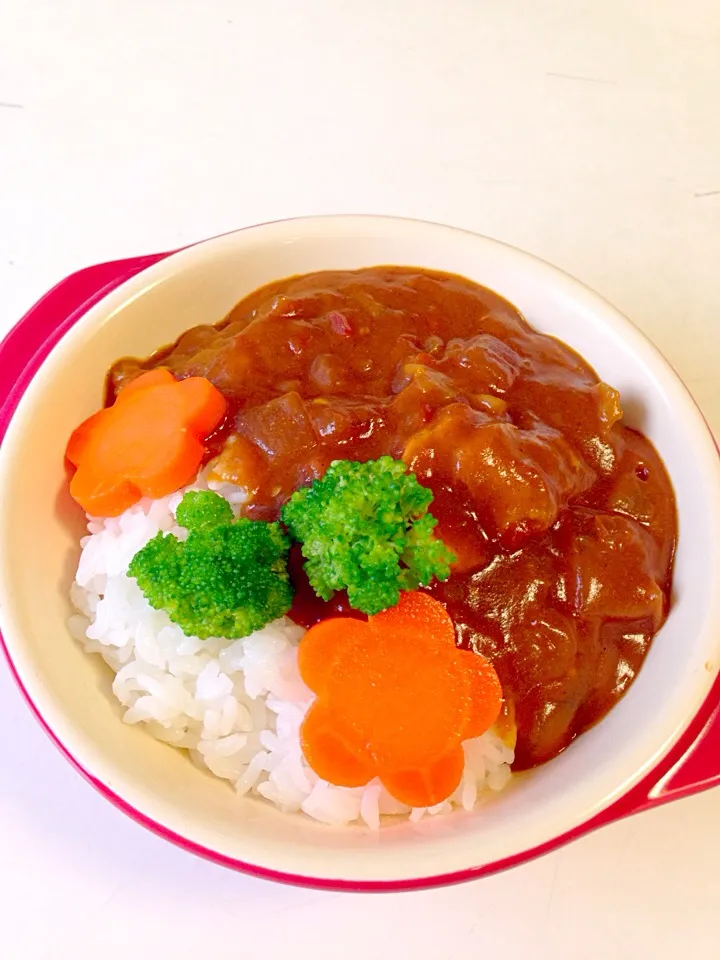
{"type": "Point", "coordinates": [148, 443]}
{"type": "Point", "coordinates": [395, 699]}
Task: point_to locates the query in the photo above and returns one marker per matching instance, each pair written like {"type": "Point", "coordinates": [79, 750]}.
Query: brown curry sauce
{"type": "Point", "coordinates": [562, 519]}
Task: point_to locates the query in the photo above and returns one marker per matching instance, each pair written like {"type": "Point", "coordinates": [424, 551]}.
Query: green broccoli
{"type": "Point", "coordinates": [365, 527]}
{"type": "Point", "coordinates": [227, 579]}
{"type": "Point", "coordinates": [203, 510]}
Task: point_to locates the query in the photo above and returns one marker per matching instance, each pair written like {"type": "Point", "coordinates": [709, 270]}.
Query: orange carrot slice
{"type": "Point", "coordinates": [328, 753]}
{"type": "Point", "coordinates": [403, 694]}
{"type": "Point", "coordinates": [81, 436]}
{"type": "Point", "coordinates": [486, 697]}
{"type": "Point", "coordinates": [419, 611]}
{"type": "Point", "coordinates": [395, 699]}
{"type": "Point", "coordinates": [159, 377]}
{"type": "Point", "coordinates": [430, 785]}
{"type": "Point", "coordinates": [149, 443]}
{"type": "Point", "coordinates": [316, 653]}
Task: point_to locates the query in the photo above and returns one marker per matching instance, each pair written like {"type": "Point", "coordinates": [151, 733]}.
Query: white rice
{"type": "Point", "coordinates": [235, 704]}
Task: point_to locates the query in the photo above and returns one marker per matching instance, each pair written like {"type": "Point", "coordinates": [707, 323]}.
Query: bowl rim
{"type": "Point", "coordinates": [637, 341]}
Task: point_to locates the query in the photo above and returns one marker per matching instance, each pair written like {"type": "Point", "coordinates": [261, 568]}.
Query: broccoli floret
{"type": "Point", "coordinates": [364, 527]}
{"type": "Point", "coordinates": [200, 509]}
{"type": "Point", "coordinates": [227, 579]}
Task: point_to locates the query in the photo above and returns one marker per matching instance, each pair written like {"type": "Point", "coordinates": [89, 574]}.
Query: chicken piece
{"type": "Point", "coordinates": [612, 571]}
{"type": "Point", "coordinates": [519, 479]}
{"type": "Point", "coordinates": [483, 364]}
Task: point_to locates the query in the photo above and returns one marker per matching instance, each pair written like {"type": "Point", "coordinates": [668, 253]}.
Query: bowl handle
{"type": "Point", "coordinates": [33, 337]}
{"type": "Point", "coordinates": [690, 766]}
{"type": "Point", "coordinates": [698, 768]}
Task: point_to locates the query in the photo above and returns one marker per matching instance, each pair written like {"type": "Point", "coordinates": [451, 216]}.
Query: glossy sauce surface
{"type": "Point", "coordinates": [562, 519]}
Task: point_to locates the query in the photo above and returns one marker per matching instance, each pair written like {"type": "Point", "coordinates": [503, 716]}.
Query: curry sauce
{"type": "Point", "coordinates": [562, 519]}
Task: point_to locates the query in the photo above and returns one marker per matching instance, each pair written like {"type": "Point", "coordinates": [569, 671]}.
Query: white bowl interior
{"type": "Point", "coordinates": [39, 527]}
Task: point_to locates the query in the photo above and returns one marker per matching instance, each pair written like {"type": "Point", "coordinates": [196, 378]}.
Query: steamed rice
{"type": "Point", "coordinates": [235, 704]}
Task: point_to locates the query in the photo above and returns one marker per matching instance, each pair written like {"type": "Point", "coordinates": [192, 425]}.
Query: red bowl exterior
{"type": "Point", "coordinates": [693, 764]}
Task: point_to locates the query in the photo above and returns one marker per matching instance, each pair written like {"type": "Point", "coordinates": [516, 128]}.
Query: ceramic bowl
{"type": "Point", "coordinates": [621, 764]}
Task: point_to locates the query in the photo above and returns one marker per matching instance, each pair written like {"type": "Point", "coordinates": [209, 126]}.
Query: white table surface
{"type": "Point", "coordinates": [586, 132]}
